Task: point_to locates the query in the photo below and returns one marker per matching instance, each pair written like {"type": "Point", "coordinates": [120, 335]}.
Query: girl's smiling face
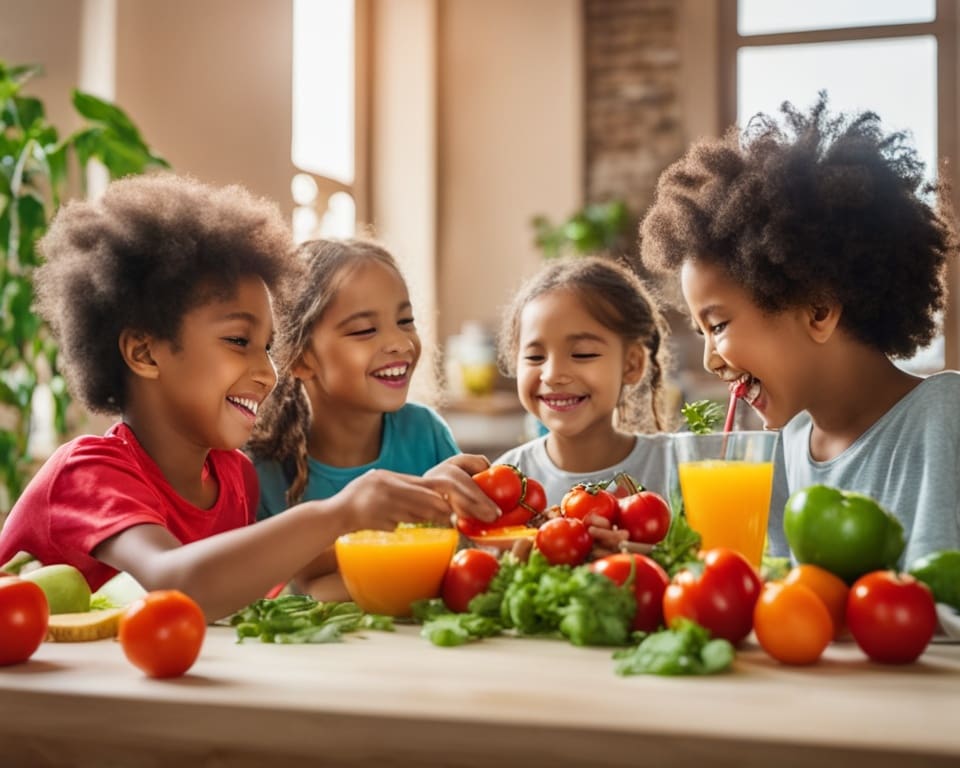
{"type": "Point", "coordinates": [364, 348]}
{"type": "Point", "coordinates": [571, 368]}
{"type": "Point", "coordinates": [772, 352]}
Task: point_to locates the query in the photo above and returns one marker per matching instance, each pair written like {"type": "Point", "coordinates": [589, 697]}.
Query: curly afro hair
{"type": "Point", "coordinates": [821, 208]}
{"type": "Point", "coordinates": [150, 249]}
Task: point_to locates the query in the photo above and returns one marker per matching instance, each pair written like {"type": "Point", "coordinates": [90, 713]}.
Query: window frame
{"type": "Point", "coordinates": [943, 28]}
{"type": "Point", "coordinates": [359, 189]}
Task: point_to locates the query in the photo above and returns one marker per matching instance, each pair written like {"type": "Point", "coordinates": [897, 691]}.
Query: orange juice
{"type": "Point", "coordinates": [385, 571]}
{"type": "Point", "coordinates": [728, 503]}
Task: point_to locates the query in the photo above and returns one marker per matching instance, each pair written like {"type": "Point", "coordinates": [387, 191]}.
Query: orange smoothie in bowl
{"type": "Point", "coordinates": [385, 571]}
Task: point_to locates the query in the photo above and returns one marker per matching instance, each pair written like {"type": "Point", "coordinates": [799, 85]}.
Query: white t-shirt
{"type": "Point", "coordinates": [649, 463]}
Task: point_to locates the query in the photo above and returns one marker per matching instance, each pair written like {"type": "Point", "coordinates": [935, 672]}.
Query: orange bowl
{"type": "Point", "coordinates": [502, 539]}
{"type": "Point", "coordinates": [385, 571]}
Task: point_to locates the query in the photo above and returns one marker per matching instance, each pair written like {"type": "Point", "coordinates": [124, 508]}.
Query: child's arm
{"type": "Point", "coordinates": [226, 572]}
{"type": "Point", "coordinates": [321, 579]}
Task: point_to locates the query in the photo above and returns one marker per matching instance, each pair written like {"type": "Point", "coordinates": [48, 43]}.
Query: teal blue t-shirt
{"type": "Point", "coordinates": [415, 439]}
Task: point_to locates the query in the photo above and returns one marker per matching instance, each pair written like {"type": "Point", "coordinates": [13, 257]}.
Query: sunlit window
{"type": "Point", "coordinates": [761, 16]}
{"type": "Point", "coordinates": [324, 118]}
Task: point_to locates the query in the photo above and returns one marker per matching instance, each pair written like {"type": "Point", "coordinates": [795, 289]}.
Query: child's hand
{"type": "Point", "coordinates": [453, 480]}
{"type": "Point", "coordinates": [380, 499]}
{"type": "Point", "coordinates": [606, 540]}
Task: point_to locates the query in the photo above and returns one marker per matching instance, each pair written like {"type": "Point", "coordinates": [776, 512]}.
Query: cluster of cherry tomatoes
{"type": "Point", "coordinates": [565, 539]}
{"type": "Point", "coordinates": [519, 498]}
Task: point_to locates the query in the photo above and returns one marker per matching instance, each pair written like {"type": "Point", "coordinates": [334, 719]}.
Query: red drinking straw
{"type": "Point", "coordinates": [735, 394]}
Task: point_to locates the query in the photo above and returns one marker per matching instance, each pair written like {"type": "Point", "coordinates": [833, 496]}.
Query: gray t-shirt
{"type": "Point", "coordinates": [908, 461]}
{"type": "Point", "coordinates": [650, 463]}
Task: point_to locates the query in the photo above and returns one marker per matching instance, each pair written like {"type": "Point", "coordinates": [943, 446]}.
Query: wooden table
{"type": "Point", "coordinates": [393, 699]}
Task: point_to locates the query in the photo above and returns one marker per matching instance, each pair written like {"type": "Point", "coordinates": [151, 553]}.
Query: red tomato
{"type": "Point", "coordinates": [472, 527]}
{"type": "Point", "coordinates": [469, 573]}
{"type": "Point", "coordinates": [582, 501]}
{"type": "Point", "coordinates": [24, 613]}
{"type": "Point", "coordinates": [161, 633]}
{"type": "Point", "coordinates": [892, 616]}
{"type": "Point", "coordinates": [503, 483]}
{"type": "Point", "coordinates": [645, 516]}
{"type": "Point", "coordinates": [650, 582]}
{"type": "Point", "coordinates": [564, 541]}
{"type": "Point", "coordinates": [719, 595]}
{"type": "Point", "coordinates": [535, 497]}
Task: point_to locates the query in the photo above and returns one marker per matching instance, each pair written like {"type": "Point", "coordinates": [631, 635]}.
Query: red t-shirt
{"type": "Point", "coordinates": [94, 487]}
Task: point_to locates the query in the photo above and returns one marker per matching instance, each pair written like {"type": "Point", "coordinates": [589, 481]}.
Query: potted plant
{"type": "Point", "coordinates": [35, 170]}
{"type": "Point", "coordinates": [596, 228]}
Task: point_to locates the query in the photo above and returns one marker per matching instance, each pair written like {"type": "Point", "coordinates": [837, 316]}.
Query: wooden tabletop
{"type": "Point", "coordinates": [391, 699]}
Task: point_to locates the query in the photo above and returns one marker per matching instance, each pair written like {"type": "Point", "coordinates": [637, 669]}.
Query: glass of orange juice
{"type": "Point", "coordinates": [385, 571]}
{"type": "Point", "coordinates": [726, 480]}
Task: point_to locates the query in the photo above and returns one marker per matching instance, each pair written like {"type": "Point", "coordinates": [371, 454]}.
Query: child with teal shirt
{"type": "Point", "coordinates": [399, 453]}
{"type": "Point", "coordinates": [346, 349]}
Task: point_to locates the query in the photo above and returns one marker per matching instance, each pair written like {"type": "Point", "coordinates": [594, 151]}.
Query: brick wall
{"type": "Point", "coordinates": [633, 120]}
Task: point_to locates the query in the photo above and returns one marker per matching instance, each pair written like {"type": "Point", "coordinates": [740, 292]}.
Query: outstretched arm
{"type": "Point", "coordinates": [226, 572]}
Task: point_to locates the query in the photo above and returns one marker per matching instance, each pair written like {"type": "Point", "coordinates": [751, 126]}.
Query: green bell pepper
{"type": "Point", "coordinates": [941, 572]}
{"type": "Point", "coordinates": [846, 533]}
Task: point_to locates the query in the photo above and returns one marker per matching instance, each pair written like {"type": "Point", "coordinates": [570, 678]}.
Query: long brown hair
{"type": "Point", "coordinates": [283, 423]}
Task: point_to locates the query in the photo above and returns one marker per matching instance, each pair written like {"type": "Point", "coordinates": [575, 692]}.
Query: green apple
{"type": "Point", "coordinates": [66, 589]}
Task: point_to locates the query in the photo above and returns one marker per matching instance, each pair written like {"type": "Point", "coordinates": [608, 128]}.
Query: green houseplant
{"type": "Point", "coordinates": [36, 166]}
{"type": "Point", "coordinates": [595, 228]}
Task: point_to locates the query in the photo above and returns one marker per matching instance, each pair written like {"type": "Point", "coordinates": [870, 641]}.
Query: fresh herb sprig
{"type": "Point", "coordinates": [684, 649]}
{"type": "Point", "coordinates": [301, 619]}
{"type": "Point", "coordinates": [678, 547]}
{"type": "Point", "coordinates": [702, 416]}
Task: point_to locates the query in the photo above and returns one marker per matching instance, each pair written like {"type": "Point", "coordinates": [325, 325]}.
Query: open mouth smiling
{"type": "Point", "coordinates": [392, 374]}
{"type": "Point", "coordinates": [562, 402]}
{"type": "Point", "coordinates": [749, 385]}
{"type": "Point", "coordinates": [245, 404]}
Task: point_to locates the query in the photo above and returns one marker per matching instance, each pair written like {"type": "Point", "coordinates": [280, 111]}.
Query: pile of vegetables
{"type": "Point", "coordinates": [536, 598]}
{"type": "Point", "coordinates": [582, 605]}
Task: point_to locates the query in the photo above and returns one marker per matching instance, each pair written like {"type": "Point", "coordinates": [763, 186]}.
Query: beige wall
{"type": "Point", "coordinates": [510, 144]}
{"type": "Point", "coordinates": [403, 151]}
{"type": "Point", "coordinates": [45, 32]}
{"type": "Point", "coordinates": [209, 83]}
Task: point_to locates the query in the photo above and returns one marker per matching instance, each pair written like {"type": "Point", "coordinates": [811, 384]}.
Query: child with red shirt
{"type": "Point", "coordinates": [160, 295]}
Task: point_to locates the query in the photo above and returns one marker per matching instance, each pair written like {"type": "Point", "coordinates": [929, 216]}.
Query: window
{"type": "Point", "coordinates": [326, 113]}
{"type": "Point", "coordinates": [894, 57]}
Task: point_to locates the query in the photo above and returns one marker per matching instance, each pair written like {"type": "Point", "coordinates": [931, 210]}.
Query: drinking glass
{"type": "Point", "coordinates": [726, 480]}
